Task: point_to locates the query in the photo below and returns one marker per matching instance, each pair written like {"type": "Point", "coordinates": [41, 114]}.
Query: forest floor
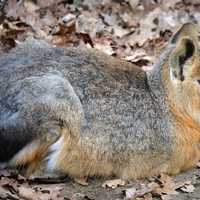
{"type": "Point", "coordinates": [133, 30]}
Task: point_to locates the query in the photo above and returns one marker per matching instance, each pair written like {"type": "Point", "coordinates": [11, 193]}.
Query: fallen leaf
{"type": "Point", "coordinates": [28, 193]}
{"type": "Point", "coordinates": [5, 194]}
{"type": "Point", "coordinates": [141, 59]}
{"type": "Point", "coordinates": [133, 3]}
{"type": "Point", "coordinates": [91, 25]}
{"type": "Point", "coordinates": [69, 18]}
{"type": "Point", "coordinates": [106, 48]}
{"type": "Point", "coordinates": [167, 186]}
{"type": "Point", "coordinates": [114, 183]}
{"type": "Point", "coordinates": [130, 193]}
{"type": "Point", "coordinates": [120, 32]}
{"type": "Point", "coordinates": [81, 181]}
{"type": "Point", "coordinates": [188, 188]}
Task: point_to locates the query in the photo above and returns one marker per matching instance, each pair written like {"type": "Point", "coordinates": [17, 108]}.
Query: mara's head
{"type": "Point", "coordinates": [183, 72]}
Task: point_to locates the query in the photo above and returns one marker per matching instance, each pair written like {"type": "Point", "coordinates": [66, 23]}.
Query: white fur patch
{"type": "Point", "coordinates": [173, 79]}
{"type": "Point", "coordinates": [54, 154]}
{"type": "Point", "coordinates": [171, 75]}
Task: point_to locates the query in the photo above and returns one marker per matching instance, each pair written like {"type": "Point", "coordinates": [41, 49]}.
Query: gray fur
{"type": "Point", "coordinates": [110, 104]}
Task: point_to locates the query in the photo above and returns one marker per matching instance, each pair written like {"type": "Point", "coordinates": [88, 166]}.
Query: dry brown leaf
{"type": "Point", "coordinates": [170, 3]}
{"type": "Point", "coordinates": [133, 3]}
{"type": "Point", "coordinates": [63, 29]}
{"type": "Point", "coordinates": [28, 193]}
{"type": "Point", "coordinates": [81, 181]}
{"type": "Point", "coordinates": [114, 183]}
{"type": "Point", "coordinates": [167, 186]}
{"type": "Point", "coordinates": [106, 48]}
{"type": "Point", "coordinates": [188, 188]}
{"type": "Point", "coordinates": [30, 6]}
{"type": "Point", "coordinates": [132, 193]}
{"type": "Point", "coordinates": [69, 18]}
{"type": "Point", "coordinates": [140, 58]}
{"type": "Point", "coordinates": [147, 29]}
{"type": "Point", "coordinates": [92, 25]}
{"type": "Point", "coordinates": [120, 32]}
{"type": "Point", "coordinates": [148, 197]}
{"type": "Point", "coordinates": [6, 194]}
{"type": "Point", "coordinates": [139, 54]}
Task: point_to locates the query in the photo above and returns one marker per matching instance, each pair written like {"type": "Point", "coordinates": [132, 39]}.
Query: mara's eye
{"type": "Point", "coordinates": [198, 81]}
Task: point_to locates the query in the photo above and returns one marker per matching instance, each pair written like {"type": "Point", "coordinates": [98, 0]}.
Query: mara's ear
{"type": "Point", "coordinates": [186, 30]}
{"type": "Point", "coordinates": [184, 54]}
{"type": "Point", "coordinates": [182, 57]}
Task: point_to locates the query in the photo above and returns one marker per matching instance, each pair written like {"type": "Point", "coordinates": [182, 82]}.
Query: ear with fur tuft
{"type": "Point", "coordinates": [186, 30]}
{"type": "Point", "coordinates": [183, 56]}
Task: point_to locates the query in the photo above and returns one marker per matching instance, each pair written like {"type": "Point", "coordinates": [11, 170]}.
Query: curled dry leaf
{"type": "Point", "coordinates": [81, 181]}
{"type": "Point", "coordinates": [132, 193]}
{"type": "Point", "coordinates": [141, 59]}
{"type": "Point", "coordinates": [106, 48]}
{"type": "Point", "coordinates": [87, 23]}
{"type": "Point", "coordinates": [5, 194]}
{"type": "Point", "coordinates": [120, 32]}
{"type": "Point", "coordinates": [188, 188]}
{"type": "Point", "coordinates": [133, 3]}
{"type": "Point", "coordinates": [114, 183]}
{"type": "Point", "coordinates": [167, 186]}
{"type": "Point", "coordinates": [165, 189]}
{"type": "Point", "coordinates": [27, 193]}
{"type": "Point", "coordinates": [138, 55]}
{"type": "Point", "coordinates": [69, 18]}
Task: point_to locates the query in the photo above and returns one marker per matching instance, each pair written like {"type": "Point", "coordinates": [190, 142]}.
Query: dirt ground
{"type": "Point", "coordinates": [185, 186]}
{"type": "Point", "coordinates": [95, 191]}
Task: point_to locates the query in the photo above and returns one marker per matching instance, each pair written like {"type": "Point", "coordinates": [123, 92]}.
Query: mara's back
{"type": "Point", "coordinates": [117, 104]}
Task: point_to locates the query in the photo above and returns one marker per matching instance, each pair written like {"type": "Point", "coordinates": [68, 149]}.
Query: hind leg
{"type": "Point", "coordinates": [44, 104]}
{"type": "Point", "coordinates": [34, 153]}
